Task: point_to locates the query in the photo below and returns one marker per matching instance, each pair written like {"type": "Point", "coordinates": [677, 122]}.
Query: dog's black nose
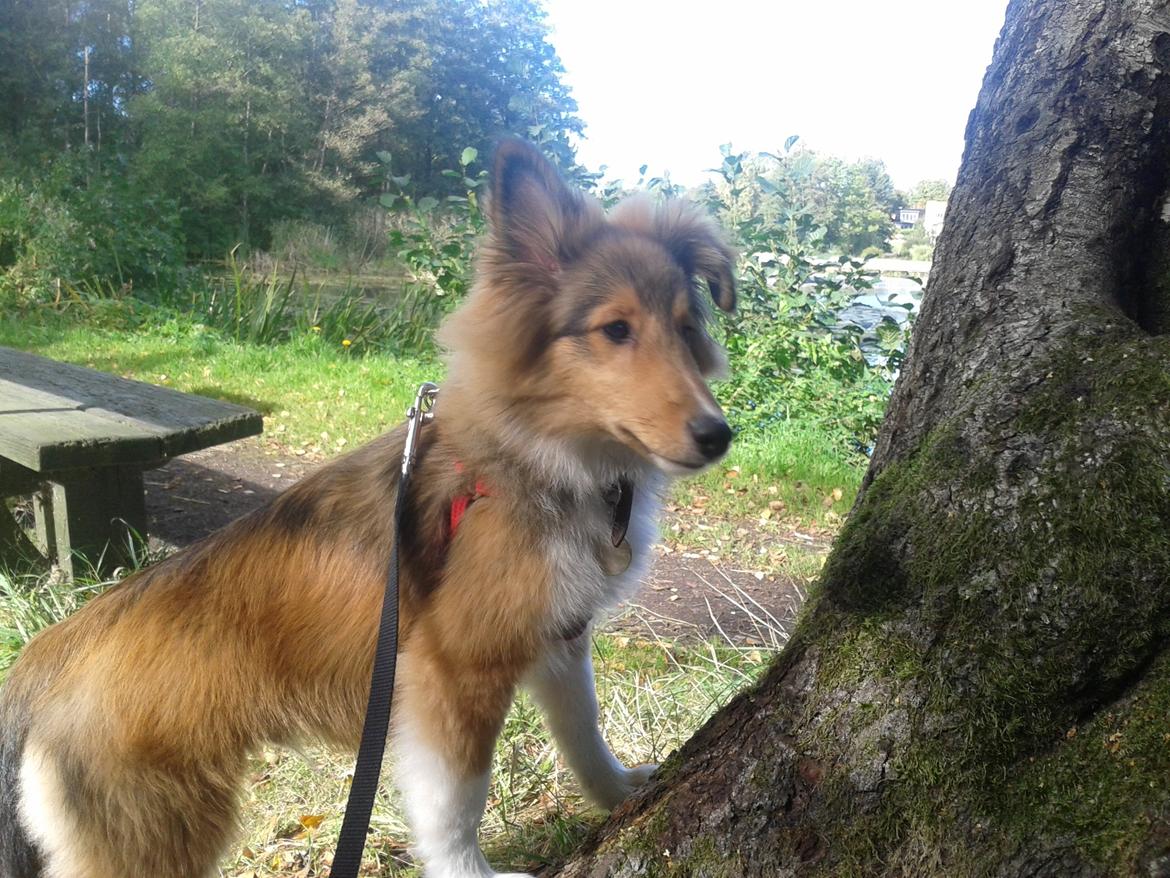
{"type": "Point", "coordinates": [711, 434]}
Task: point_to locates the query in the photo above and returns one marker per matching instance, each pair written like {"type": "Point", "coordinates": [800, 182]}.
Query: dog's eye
{"type": "Point", "coordinates": [617, 331]}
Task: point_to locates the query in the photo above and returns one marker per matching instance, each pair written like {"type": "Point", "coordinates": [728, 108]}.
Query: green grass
{"type": "Point", "coordinates": [796, 472]}
{"type": "Point", "coordinates": [653, 695]}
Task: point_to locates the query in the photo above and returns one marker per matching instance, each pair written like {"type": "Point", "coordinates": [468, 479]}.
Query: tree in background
{"type": "Point", "coordinates": [924, 191]}
{"type": "Point", "coordinates": [66, 71]}
{"type": "Point", "coordinates": [225, 127]}
{"type": "Point", "coordinates": [245, 112]}
{"type": "Point", "coordinates": [852, 201]}
{"type": "Point", "coordinates": [476, 70]}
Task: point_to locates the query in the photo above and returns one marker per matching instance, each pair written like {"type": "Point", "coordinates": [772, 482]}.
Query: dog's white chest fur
{"type": "Point", "coordinates": [581, 587]}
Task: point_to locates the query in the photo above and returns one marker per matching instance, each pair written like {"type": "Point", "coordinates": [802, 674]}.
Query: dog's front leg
{"type": "Point", "coordinates": [562, 685]}
{"type": "Point", "coordinates": [447, 720]}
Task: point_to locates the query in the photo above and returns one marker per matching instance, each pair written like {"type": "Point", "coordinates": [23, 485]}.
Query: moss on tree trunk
{"type": "Point", "coordinates": [981, 685]}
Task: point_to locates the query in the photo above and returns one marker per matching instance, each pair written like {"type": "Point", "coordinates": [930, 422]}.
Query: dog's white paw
{"type": "Point", "coordinates": [619, 787]}
{"type": "Point", "coordinates": [640, 774]}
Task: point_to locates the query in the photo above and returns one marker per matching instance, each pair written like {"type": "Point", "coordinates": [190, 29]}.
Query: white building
{"type": "Point", "coordinates": [932, 218]}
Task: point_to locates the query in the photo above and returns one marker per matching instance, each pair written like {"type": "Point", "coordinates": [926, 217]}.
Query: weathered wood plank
{"type": "Point", "coordinates": [56, 439]}
{"type": "Point", "coordinates": [58, 416]}
{"type": "Point", "coordinates": [16, 398]}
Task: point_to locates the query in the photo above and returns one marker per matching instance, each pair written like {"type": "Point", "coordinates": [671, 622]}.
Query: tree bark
{"type": "Point", "coordinates": [981, 685]}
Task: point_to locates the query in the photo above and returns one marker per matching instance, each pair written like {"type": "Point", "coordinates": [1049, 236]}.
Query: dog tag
{"type": "Point", "coordinates": [615, 560]}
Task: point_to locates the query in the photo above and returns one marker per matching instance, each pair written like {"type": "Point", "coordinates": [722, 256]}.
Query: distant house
{"type": "Point", "coordinates": [908, 217]}
{"type": "Point", "coordinates": [932, 218]}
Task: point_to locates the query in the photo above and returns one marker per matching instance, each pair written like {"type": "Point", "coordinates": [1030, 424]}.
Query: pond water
{"type": "Point", "coordinates": [895, 297]}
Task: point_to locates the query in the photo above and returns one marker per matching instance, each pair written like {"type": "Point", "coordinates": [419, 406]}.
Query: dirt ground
{"type": "Point", "coordinates": [686, 594]}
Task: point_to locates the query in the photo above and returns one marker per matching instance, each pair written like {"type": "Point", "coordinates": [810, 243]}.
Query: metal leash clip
{"type": "Point", "coordinates": [418, 414]}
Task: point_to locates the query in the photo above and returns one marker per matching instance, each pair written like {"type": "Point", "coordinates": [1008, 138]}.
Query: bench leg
{"type": "Point", "coordinates": [44, 531]}
{"type": "Point", "coordinates": [87, 516]}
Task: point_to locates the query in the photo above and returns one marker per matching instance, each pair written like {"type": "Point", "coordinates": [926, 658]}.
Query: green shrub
{"type": "Point", "coordinates": [435, 244]}
{"type": "Point", "coordinates": [793, 352]}
{"type": "Point", "coordinates": [76, 224]}
{"type": "Point", "coordinates": [40, 241]}
{"type": "Point", "coordinates": [132, 234]}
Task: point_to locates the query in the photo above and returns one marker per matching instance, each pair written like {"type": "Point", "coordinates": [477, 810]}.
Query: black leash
{"type": "Point", "coordinates": [351, 841]}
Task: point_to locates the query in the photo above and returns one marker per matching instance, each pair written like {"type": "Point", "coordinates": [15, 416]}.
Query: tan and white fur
{"type": "Point", "coordinates": [579, 359]}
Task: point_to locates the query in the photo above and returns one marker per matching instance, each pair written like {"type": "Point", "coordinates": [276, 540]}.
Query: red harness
{"type": "Point", "coordinates": [459, 504]}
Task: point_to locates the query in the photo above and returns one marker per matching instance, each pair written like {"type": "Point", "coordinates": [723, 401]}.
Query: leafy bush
{"type": "Point", "coordinates": [794, 352]}
{"type": "Point", "coordinates": [435, 244]}
{"type": "Point", "coordinates": [133, 235]}
{"type": "Point", "coordinates": [40, 240]}
{"type": "Point", "coordinates": [77, 225]}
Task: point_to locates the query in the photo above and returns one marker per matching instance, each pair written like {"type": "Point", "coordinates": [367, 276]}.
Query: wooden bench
{"type": "Point", "coordinates": [81, 440]}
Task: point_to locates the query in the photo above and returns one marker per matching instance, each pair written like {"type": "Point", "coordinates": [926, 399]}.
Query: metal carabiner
{"type": "Point", "coordinates": [418, 414]}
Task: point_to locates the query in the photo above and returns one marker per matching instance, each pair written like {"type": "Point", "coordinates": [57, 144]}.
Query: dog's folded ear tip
{"type": "Point", "coordinates": [723, 293]}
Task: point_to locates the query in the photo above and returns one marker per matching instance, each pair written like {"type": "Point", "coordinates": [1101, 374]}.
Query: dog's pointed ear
{"type": "Point", "coordinates": [532, 212]}
{"type": "Point", "coordinates": [700, 248]}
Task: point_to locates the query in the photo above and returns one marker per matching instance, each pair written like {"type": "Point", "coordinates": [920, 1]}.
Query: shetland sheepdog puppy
{"type": "Point", "coordinates": [575, 390]}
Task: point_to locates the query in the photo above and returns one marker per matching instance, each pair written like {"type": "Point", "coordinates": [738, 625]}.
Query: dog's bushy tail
{"type": "Point", "coordinates": [18, 857]}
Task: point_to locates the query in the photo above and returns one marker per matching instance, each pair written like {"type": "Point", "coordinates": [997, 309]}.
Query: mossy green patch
{"type": "Point", "coordinates": [1105, 783]}
{"type": "Point", "coordinates": [702, 859]}
{"type": "Point", "coordinates": [1008, 578]}
{"type": "Point", "coordinates": [641, 845]}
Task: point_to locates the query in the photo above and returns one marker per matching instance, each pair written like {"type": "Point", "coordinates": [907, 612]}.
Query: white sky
{"type": "Point", "coordinates": [664, 83]}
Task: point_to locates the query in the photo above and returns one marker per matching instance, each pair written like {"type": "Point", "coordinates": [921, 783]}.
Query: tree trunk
{"type": "Point", "coordinates": [981, 684]}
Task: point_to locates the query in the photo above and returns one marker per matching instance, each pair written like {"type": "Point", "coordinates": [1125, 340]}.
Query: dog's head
{"type": "Point", "coordinates": [591, 327]}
